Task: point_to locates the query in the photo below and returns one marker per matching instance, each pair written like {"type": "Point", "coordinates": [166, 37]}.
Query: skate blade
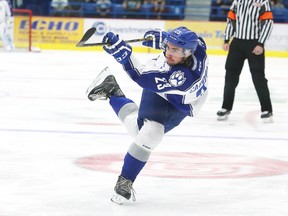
{"type": "Point", "coordinates": [98, 80]}
{"type": "Point", "coordinates": [222, 118]}
{"type": "Point", "coordinates": [267, 120]}
{"type": "Point", "coordinates": [116, 198]}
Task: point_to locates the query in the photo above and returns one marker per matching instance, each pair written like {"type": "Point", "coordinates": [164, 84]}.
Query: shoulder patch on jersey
{"type": "Point", "coordinates": [177, 78]}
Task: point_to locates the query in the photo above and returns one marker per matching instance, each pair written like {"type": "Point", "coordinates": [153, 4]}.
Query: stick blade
{"type": "Point", "coordinates": [80, 44]}
{"type": "Point", "coordinates": [86, 36]}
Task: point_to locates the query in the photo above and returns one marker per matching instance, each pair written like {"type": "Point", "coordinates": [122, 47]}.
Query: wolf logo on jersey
{"type": "Point", "coordinates": [177, 78]}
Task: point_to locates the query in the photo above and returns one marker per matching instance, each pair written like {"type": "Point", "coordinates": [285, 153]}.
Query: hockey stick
{"type": "Point", "coordinates": [91, 31]}
{"type": "Point", "coordinates": [86, 36]}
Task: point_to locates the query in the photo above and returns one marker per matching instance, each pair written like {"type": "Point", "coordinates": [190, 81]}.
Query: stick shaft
{"type": "Point", "coordinates": [89, 33]}
{"type": "Point", "coordinates": [103, 44]}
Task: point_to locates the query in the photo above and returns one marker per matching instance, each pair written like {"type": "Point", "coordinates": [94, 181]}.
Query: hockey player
{"type": "Point", "coordinates": [174, 86]}
{"type": "Point", "coordinates": [5, 19]}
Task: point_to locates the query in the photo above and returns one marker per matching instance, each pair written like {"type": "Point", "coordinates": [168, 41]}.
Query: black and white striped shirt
{"type": "Point", "coordinates": [249, 20]}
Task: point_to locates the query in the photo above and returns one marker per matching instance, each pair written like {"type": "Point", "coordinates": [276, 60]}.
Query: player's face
{"type": "Point", "coordinates": [174, 54]}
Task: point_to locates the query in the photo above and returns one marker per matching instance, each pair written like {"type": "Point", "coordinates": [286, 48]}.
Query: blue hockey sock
{"type": "Point", "coordinates": [118, 102]}
{"type": "Point", "coordinates": [131, 167]}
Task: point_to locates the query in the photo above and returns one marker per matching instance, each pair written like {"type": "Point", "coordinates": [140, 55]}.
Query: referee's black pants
{"type": "Point", "coordinates": [239, 51]}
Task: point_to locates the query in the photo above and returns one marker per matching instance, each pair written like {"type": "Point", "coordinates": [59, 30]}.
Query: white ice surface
{"type": "Point", "coordinates": [46, 124]}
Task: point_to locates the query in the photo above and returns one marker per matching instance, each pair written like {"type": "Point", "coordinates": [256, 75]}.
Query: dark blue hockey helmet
{"type": "Point", "coordinates": [183, 37]}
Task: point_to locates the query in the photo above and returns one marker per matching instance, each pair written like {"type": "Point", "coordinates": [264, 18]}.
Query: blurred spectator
{"type": "Point", "coordinates": [156, 7]}
{"type": "Point", "coordinates": [147, 8]}
{"type": "Point", "coordinates": [76, 4]}
{"type": "Point", "coordinates": [132, 6]}
{"type": "Point", "coordinates": [58, 7]}
{"type": "Point", "coordinates": [19, 4]}
{"type": "Point", "coordinates": [103, 7]}
{"type": "Point", "coordinates": [76, 8]}
{"type": "Point", "coordinates": [276, 3]}
{"type": "Point", "coordinates": [220, 9]}
{"type": "Point", "coordinates": [159, 8]}
{"type": "Point", "coordinates": [96, 8]}
{"type": "Point", "coordinates": [90, 1]}
{"type": "Point", "coordinates": [273, 2]}
{"type": "Point", "coordinates": [148, 2]}
{"type": "Point", "coordinates": [224, 5]}
{"type": "Point", "coordinates": [69, 8]}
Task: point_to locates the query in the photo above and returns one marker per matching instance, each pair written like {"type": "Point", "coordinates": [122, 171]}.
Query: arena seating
{"type": "Point", "coordinates": [219, 13]}
{"type": "Point", "coordinates": [174, 10]}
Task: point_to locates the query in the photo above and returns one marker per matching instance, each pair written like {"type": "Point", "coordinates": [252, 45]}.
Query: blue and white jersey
{"type": "Point", "coordinates": [5, 11]}
{"type": "Point", "coordinates": [182, 85]}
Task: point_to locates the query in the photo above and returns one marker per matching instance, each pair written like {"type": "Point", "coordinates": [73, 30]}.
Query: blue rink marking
{"type": "Point", "coordinates": [122, 134]}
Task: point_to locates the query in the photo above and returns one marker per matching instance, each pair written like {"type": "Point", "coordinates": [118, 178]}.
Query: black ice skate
{"type": "Point", "coordinates": [267, 117]}
{"type": "Point", "coordinates": [104, 86]}
{"type": "Point", "coordinates": [123, 191]}
{"type": "Point", "coordinates": [223, 114]}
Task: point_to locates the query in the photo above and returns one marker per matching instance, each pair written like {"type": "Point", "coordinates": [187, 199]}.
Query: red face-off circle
{"type": "Point", "coordinates": [192, 165]}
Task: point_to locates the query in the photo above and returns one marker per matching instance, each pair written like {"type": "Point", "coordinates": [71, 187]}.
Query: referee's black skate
{"type": "Point", "coordinates": [104, 86]}
{"type": "Point", "coordinates": [267, 117]}
{"type": "Point", "coordinates": [223, 114]}
{"type": "Point", "coordinates": [123, 191]}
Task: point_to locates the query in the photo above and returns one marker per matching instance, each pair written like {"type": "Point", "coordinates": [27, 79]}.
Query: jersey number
{"type": "Point", "coordinates": [161, 83]}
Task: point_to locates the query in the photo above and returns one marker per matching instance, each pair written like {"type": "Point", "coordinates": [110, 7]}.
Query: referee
{"type": "Point", "coordinates": [250, 22]}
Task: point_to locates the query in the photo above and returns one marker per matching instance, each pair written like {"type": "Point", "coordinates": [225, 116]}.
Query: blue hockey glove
{"type": "Point", "coordinates": [117, 47]}
{"type": "Point", "coordinates": [157, 36]}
